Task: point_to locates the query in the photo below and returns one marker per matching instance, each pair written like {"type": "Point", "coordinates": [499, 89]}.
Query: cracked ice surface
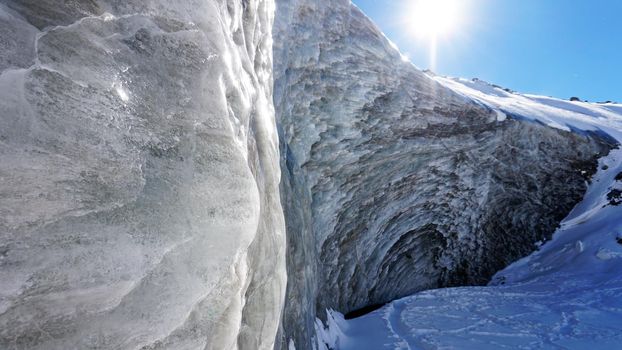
{"type": "Point", "coordinates": [138, 175]}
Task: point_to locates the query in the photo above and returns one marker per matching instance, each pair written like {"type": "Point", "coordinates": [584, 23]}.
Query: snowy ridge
{"type": "Point", "coordinates": [557, 113]}
{"type": "Point", "coordinates": [567, 295]}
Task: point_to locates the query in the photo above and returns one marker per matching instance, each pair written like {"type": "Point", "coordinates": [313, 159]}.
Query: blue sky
{"type": "Point", "coordinates": [558, 48]}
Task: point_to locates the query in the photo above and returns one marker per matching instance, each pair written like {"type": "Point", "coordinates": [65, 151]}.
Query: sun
{"type": "Point", "coordinates": [433, 22]}
{"type": "Point", "coordinates": [434, 18]}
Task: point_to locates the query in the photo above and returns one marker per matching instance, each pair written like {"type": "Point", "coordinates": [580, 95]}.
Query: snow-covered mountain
{"type": "Point", "coordinates": [142, 144]}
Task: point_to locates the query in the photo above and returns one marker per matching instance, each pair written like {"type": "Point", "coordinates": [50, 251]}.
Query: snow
{"type": "Point", "coordinates": [550, 111]}
{"type": "Point", "coordinates": [330, 335]}
{"type": "Point", "coordinates": [567, 295]}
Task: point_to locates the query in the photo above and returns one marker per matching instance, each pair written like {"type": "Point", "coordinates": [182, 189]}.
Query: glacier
{"type": "Point", "coordinates": [566, 295]}
{"type": "Point", "coordinates": [396, 181]}
{"type": "Point", "coordinates": [139, 202]}
{"type": "Point", "coordinates": [239, 174]}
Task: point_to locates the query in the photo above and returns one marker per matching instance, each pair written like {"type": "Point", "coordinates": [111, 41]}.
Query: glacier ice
{"type": "Point", "coordinates": [564, 296]}
{"type": "Point", "coordinates": [139, 167]}
{"type": "Point", "coordinates": [395, 181]}
{"type": "Point", "coordinates": [162, 179]}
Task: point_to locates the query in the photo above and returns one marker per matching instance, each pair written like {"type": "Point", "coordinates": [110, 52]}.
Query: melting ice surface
{"type": "Point", "coordinates": [567, 295]}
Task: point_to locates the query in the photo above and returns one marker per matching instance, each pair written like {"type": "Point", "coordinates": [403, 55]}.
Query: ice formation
{"type": "Point", "coordinates": [395, 181]}
{"type": "Point", "coordinates": [164, 185]}
{"type": "Point", "coordinates": [567, 295]}
{"type": "Point", "coordinates": [139, 202]}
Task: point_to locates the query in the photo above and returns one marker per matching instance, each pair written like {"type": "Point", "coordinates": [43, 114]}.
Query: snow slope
{"type": "Point", "coordinates": [567, 295]}
{"type": "Point", "coordinates": [554, 112]}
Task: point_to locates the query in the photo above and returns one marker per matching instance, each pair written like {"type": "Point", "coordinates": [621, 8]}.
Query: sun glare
{"type": "Point", "coordinates": [433, 21]}
{"type": "Point", "coordinates": [434, 18]}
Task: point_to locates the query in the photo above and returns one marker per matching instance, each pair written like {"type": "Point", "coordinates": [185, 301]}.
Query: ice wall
{"type": "Point", "coordinates": [139, 201]}
{"type": "Point", "coordinates": [394, 183]}
{"type": "Point", "coordinates": [140, 205]}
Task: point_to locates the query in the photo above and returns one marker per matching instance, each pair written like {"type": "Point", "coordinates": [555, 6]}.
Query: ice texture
{"type": "Point", "coordinates": [395, 182]}
{"type": "Point", "coordinates": [141, 205]}
{"type": "Point", "coordinates": [567, 295]}
{"type": "Point", "coordinates": [139, 170]}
